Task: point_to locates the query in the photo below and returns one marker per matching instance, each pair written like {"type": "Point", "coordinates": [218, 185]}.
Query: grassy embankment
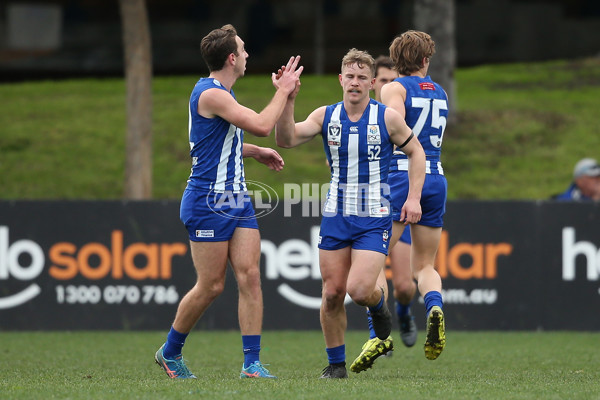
{"type": "Point", "coordinates": [521, 129]}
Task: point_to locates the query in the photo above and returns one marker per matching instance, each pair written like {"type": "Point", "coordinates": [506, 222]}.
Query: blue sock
{"type": "Point", "coordinates": [174, 344]}
{"type": "Point", "coordinates": [336, 355]}
{"type": "Point", "coordinates": [433, 298]}
{"type": "Point", "coordinates": [251, 345]}
{"type": "Point", "coordinates": [402, 309]}
{"type": "Point", "coordinates": [370, 321]}
{"type": "Point", "coordinates": [379, 305]}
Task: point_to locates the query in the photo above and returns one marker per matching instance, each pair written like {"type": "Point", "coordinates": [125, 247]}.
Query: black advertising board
{"type": "Point", "coordinates": [125, 265]}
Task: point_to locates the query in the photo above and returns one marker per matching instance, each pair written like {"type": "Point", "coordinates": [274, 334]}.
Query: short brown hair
{"type": "Point", "coordinates": [383, 62]}
{"type": "Point", "coordinates": [217, 46]}
{"type": "Point", "coordinates": [360, 58]}
{"type": "Point", "coordinates": [408, 50]}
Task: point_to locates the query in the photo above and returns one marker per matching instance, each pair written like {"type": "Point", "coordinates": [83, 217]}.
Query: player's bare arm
{"type": "Point", "coordinates": [393, 95]}
{"type": "Point", "coordinates": [264, 155]}
{"type": "Point", "coordinates": [216, 102]}
{"type": "Point", "coordinates": [290, 134]}
{"type": "Point", "coordinates": [402, 136]}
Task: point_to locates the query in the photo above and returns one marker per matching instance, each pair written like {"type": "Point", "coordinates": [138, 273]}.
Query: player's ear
{"type": "Point", "coordinates": [340, 78]}
{"type": "Point", "coordinates": [231, 58]}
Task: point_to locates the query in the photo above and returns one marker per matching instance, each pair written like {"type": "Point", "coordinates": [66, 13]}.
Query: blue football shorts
{"type": "Point", "coordinates": [361, 233]}
{"type": "Point", "coordinates": [405, 237]}
{"type": "Point", "coordinates": [433, 197]}
{"type": "Point", "coordinates": [213, 217]}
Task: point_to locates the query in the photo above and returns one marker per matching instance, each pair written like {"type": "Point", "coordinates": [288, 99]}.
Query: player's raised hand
{"type": "Point", "coordinates": [275, 78]}
{"type": "Point", "coordinates": [288, 77]}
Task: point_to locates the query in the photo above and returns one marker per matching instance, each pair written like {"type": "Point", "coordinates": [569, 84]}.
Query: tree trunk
{"type": "Point", "coordinates": [138, 75]}
{"type": "Point", "coordinates": [437, 18]}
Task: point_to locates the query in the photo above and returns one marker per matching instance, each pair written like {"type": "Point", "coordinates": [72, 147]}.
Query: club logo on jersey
{"type": "Point", "coordinates": [354, 129]}
{"type": "Point", "coordinates": [373, 136]}
{"type": "Point", "coordinates": [427, 86]}
{"type": "Point", "coordinates": [334, 134]}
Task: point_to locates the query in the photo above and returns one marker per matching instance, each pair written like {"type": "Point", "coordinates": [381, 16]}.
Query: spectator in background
{"type": "Point", "coordinates": [586, 182]}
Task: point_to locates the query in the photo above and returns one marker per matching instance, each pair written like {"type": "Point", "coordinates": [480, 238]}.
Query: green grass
{"type": "Point", "coordinates": [521, 129]}
{"type": "Point", "coordinates": [476, 365]}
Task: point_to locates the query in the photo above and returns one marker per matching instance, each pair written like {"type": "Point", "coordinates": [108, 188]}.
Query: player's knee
{"type": "Point", "coordinates": [208, 291]}
{"type": "Point", "coordinates": [359, 293]}
{"type": "Point", "coordinates": [248, 277]}
{"type": "Point", "coordinates": [403, 289]}
{"type": "Point", "coordinates": [333, 295]}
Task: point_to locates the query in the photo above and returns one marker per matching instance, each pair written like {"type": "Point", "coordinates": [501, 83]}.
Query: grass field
{"type": "Point", "coordinates": [477, 365]}
{"type": "Point", "coordinates": [521, 129]}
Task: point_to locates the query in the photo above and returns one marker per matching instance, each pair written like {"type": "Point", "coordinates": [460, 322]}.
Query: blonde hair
{"type": "Point", "coordinates": [408, 50]}
{"type": "Point", "coordinates": [360, 58]}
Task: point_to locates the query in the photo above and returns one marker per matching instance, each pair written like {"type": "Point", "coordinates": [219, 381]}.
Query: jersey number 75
{"type": "Point", "coordinates": [437, 121]}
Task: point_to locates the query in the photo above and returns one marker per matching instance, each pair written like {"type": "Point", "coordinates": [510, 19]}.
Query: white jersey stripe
{"type": "Point", "coordinates": [224, 159]}
{"type": "Point", "coordinates": [403, 166]}
{"type": "Point", "coordinates": [351, 195]}
{"type": "Point", "coordinates": [374, 188]}
{"type": "Point", "coordinates": [335, 115]}
{"type": "Point", "coordinates": [373, 111]}
{"type": "Point", "coordinates": [332, 198]}
{"type": "Point", "coordinates": [237, 177]}
{"type": "Point", "coordinates": [374, 197]}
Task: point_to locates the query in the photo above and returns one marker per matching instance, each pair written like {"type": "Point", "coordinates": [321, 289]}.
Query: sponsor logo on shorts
{"type": "Point", "coordinates": [205, 233]}
{"type": "Point", "coordinates": [379, 211]}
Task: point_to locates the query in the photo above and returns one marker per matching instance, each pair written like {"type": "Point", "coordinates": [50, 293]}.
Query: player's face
{"type": "Point", "coordinates": [240, 60]}
{"type": "Point", "coordinates": [384, 75]}
{"type": "Point", "coordinates": [356, 82]}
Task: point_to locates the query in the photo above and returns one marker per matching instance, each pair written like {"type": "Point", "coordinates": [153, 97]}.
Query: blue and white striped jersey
{"type": "Point", "coordinates": [426, 107]}
{"type": "Point", "coordinates": [215, 147]}
{"type": "Point", "coordinates": [359, 155]}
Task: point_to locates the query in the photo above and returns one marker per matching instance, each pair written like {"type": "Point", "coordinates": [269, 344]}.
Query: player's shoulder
{"type": "Point", "coordinates": [394, 86]}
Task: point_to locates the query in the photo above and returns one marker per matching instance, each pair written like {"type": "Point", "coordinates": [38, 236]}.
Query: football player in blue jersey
{"type": "Point", "coordinates": [358, 137]}
{"type": "Point", "coordinates": [424, 105]}
{"type": "Point", "coordinates": [215, 206]}
{"type": "Point", "coordinates": [399, 255]}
